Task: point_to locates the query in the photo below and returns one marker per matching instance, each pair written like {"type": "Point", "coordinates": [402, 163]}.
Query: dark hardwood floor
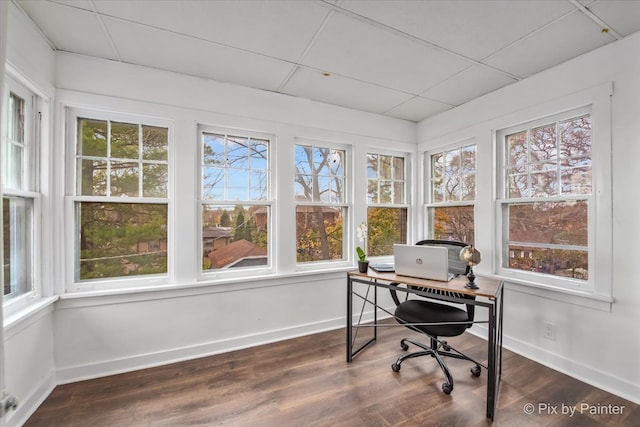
{"type": "Point", "coordinates": [307, 382]}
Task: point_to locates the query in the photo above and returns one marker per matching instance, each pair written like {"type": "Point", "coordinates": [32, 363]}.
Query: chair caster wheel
{"type": "Point", "coordinates": [445, 346]}
{"type": "Point", "coordinates": [447, 388]}
{"type": "Point", "coordinates": [475, 371]}
{"type": "Point", "coordinates": [404, 346]}
{"type": "Point", "coordinates": [395, 367]}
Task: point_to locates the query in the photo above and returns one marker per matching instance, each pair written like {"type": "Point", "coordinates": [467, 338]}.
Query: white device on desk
{"type": "Point", "coordinates": [422, 261]}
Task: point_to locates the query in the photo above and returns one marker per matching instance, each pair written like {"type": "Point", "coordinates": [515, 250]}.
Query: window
{"type": "Point", "coordinates": [236, 200]}
{"type": "Point", "coordinates": [320, 198]}
{"type": "Point", "coordinates": [546, 202]}
{"type": "Point", "coordinates": [121, 197]}
{"type": "Point", "coordinates": [20, 190]}
{"type": "Point", "coordinates": [452, 194]}
{"type": "Point", "coordinates": [387, 203]}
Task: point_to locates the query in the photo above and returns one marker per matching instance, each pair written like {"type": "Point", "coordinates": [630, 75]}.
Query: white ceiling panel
{"type": "Point", "coordinates": [275, 28]}
{"type": "Point", "coordinates": [471, 83]}
{"type": "Point", "coordinates": [70, 29]}
{"type": "Point", "coordinates": [168, 51]}
{"type": "Point", "coordinates": [352, 48]}
{"type": "Point", "coordinates": [417, 108]}
{"type": "Point", "coordinates": [408, 59]}
{"type": "Point", "coordinates": [622, 16]}
{"type": "Point", "coordinates": [334, 89]}
{"type": "Point", "coordinates": [474, 29]}
{"type": "Point", "coordinates": [565, 39]}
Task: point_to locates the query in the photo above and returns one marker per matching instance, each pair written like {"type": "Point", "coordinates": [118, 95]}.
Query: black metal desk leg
{"type": "Point", "coordinates": [349, 318]}
{"type": "Point", "coordinates": [491, 380]}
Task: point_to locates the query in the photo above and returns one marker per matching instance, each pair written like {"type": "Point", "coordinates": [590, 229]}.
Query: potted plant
{"type": "Point", "coordinates": [363, 264]}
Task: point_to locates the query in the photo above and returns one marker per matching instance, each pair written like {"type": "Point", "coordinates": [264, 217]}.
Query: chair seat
{"type": "Point", "coordinates": [420, 311]}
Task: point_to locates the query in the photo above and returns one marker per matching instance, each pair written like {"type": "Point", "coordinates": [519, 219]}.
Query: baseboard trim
{"type": "Point", "coordinates": [29, 404]}
{"type": "Point", "coordinates": [587, 374]}
{"type": "Point", "coordinates": [150, 360]}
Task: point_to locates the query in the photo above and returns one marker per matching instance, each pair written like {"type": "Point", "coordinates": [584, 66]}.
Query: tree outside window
{"type": "Point", "coordinates": [547, 170]}
{"type": "Point", "coordinates": [387, 212]}
{"type": "Point", "coordinates": [320, 196]}
{"type": "Point", "coordinates": [453, 193]}
{"type": "Point", "coordinates": [235, 201]}
{"type": "Point", "coordinates": [121, 203]}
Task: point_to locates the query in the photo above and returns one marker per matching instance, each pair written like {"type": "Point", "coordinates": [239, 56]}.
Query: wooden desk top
{"type": "Point", "coordinates": [488, 287]}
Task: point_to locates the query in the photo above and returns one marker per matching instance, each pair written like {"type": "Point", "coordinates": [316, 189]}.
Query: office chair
{"type": "Point", "coordinates": [440, 317]}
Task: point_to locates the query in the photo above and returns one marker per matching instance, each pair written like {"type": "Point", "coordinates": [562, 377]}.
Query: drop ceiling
{"type": "Point", "coordinates": [403, 59]}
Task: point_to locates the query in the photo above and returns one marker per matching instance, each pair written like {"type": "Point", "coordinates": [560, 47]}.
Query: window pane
{"type": "Point", "coordinates": [319, 233]}
{"type": "Point", "coordinates": [543, 144]}
{"type": "Point", "coordinates": [155, 143]}
{"type": "Point", "coordinates": [386, 226]}
{"type": "Point", "coordinates": [155, 177]}
{"type": "Point", "coordinates": [560, 223]}
{"type": "Point", "coordinates": [234, 168]}
{"type": "Point", "coordinates": [14, 154]}
{"type": "Point", "coordinates": [15, 124]}
{"type": "Point", "coordinates": [234, 236]}
{"type": "Point", "coordinates": [124, 179]}
{"type": "Point", "coordinates": [13, 166]}
{"type": "Point", "coordinates": [319, 174]}
{"type": "Point", "coordinates": [575, 136]}
{"type": "Point", "coordinates": [92, 177]}
{"type": "Point", "coordinates": [454, 223]}
{"type": "Point", "coordinates": [92, 138]}
{"type": "Point", "coordinates": [557, 262]}
{"type": "Point", "coordinates": [121, 239]}
{"type": "Point", "coordinates": [549, 238]}
{"type": "Point", "coordinates": [124, 141]}
{"type": "Point", "coordinates": [453, 175]}
{"type": "Point", "coordinates": [17, 228]}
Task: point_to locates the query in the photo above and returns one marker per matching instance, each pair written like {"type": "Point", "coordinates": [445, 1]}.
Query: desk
{"type": "Point", "coordinates": [488, 295]}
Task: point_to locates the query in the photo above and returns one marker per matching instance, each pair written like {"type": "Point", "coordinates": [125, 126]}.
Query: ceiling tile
{"type": "Point", "coordinates": [70, 29]}
{"type": "Point", "coordinates": [352, 48]}
{"type": "Point", "coordinates": [334, 89]}
{"type": "Point", "coordinates": [417, 108]}
{"type": "Point", "coordinates": [281, 29]}
{"type": "Point", "coordinates": [559, 42]}
{"type": "Point", "coordinates": [474, 29]}
{"type": "Point", "coordinates": [80, 4]}
{"type": "Point", "coordinates": [169, 51]}
{"type": "Point", "coordinates": [621, 16]}
{"type": "Point", "coordinates": [473, 82]}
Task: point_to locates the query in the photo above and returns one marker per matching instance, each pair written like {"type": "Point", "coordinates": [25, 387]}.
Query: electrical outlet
{"type": "Point", "coordinates": [549, 331]}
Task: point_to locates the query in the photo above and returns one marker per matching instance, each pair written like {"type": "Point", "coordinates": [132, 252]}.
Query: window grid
{"type": "Point", "coordinates": [20, 196]}
{"type": "Point", "coordinates": [452, 194]}
{"type": "Point", "coordinates": [547, 188]}
{"type": "Point", "coordinates": [235, 201]}
{"type": "Point", "coordinates": [320, 184]}
{"type": "Point", "coordinates": [121, 199]}
{"type": "Point", "coordinates": [387, 210]}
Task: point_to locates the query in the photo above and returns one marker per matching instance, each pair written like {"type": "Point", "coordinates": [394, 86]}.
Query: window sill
{"type": "Point", "coordinates": [570, 296]}
{"type": "Point", "coordinates": [25, 316]}
{"type": "Point", "coordinates": [143, 293]}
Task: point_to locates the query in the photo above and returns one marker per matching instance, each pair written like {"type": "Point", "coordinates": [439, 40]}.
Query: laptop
{"type": "Point", "coordinates": [422, 261]}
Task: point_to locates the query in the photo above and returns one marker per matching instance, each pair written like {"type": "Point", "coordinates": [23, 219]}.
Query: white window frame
{"type": "Point", "coordinates": [598, 292]}
{"type": "Point", "coordinates": [430, 204]}
{"type": "Point", "coordinates": [405, 196]}
{"type": "Point", "coordinates": [72, 199]}
{"type": "Point", "coordinates": [348, 228]}
{"type": "Point", "coordinates": [30, 188]}
{"type": "Point", "coordinates": [231, 273]}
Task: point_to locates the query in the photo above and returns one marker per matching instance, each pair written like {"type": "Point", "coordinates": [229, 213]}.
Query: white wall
{"type": "Point", "coordinates": [599, 347]}
{"type": "Point", "coordinates": [28, 348]}
{"type": "Point", "coordinates": [103, 334]}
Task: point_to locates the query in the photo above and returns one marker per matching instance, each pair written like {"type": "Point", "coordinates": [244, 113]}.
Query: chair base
{"type": "Point", "coordinates": [437, 349]}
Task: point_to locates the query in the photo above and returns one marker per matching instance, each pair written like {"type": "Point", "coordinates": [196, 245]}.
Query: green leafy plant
{"type": "Point", "coordinates": [361, 255]}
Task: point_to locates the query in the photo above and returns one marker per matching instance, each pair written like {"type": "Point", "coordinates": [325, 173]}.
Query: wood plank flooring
{"type": "Point", "coordinates": [307, 382]}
